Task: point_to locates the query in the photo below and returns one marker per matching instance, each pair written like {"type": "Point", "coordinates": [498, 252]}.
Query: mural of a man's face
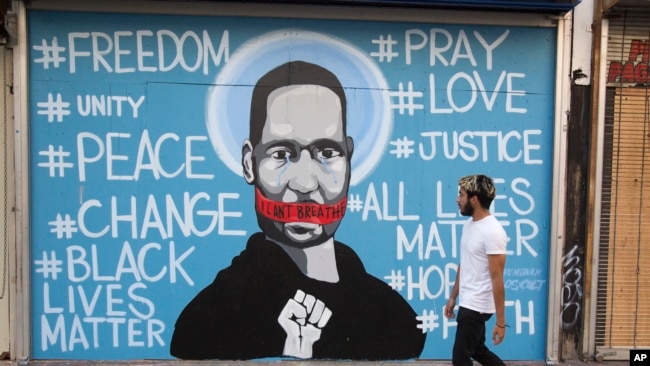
{"type": "Point", "coordinates": [303, 156]}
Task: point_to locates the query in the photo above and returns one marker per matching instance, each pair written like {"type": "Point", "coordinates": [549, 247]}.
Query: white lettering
{"type": "Point", "coordinates": [112, 52]}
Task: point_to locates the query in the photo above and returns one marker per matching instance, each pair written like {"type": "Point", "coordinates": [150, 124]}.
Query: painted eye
{"type": "Point", "coordinates": [281, 154]}
{"type": "Point", "coordinates": [328, 153]}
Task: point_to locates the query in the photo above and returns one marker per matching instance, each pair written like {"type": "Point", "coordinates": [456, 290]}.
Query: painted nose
{"type": "Point", "coordinates": [304, 172]}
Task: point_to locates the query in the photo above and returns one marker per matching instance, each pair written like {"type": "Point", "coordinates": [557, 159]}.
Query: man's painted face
{"type": "Point", "coordinates": [464, 204]}
{"type": "Point", "coordinates": [303, 158]}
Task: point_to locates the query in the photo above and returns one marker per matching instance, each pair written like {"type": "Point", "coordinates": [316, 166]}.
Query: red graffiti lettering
{"type": "Point", "coordinates": [639, 48]}
{"type": "Point", "coordinates": [628, 73]}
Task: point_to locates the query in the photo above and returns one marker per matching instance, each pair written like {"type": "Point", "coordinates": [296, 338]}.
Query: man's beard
{"type": "Point", "coordinates": [467, 209]}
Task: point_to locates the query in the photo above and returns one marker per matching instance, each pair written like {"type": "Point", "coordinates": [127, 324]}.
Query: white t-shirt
{"type": "Point", "coordinates": [479, 239]}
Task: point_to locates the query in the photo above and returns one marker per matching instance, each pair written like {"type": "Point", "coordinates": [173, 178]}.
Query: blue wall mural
{"type": "Point", "coordinates": [151, 171]}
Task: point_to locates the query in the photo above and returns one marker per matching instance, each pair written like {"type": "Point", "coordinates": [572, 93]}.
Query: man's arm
{"type": "Point", "coordinates": [497, 263]}
{"type": "Point", "coordinates": [451, 303]}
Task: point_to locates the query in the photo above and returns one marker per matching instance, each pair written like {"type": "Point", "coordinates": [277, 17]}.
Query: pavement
{"type": "Point", "coordinates": [296, 363]}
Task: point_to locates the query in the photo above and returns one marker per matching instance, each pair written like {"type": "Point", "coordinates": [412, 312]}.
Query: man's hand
{"type": "Point", "coordinates": [303, 318]}
{"type": "Point", "coordinates": [498, 333]}
{"type": "Point", "coordinates": [449, 308]}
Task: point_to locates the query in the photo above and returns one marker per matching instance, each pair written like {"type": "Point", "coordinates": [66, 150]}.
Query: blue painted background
{"type": "Point", "coordinates": [108, 288]}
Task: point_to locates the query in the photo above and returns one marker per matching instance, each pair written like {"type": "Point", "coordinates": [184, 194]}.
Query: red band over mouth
{"type": "Point", "coordinates": [309, 212]}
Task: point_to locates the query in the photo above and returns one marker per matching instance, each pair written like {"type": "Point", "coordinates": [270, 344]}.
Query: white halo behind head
{"type": "Point", "coordinates": [369, 114]}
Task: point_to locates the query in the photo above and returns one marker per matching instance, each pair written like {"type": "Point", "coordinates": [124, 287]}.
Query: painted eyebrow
{"type": "Point", "coordinates": [317, 144]}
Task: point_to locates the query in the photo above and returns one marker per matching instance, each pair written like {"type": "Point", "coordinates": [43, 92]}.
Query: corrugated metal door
{"type": "Point", "coordinates": [623, 294]}
{"type": "Point", "coordinates": [6, 223]}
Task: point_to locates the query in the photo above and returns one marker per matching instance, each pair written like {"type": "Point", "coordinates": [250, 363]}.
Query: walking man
{"type": "Point", "coordinates": [479, 285]}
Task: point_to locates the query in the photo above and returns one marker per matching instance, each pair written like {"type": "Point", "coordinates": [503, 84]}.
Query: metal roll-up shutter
{"type": "Point", "coordinates": [623, 293]}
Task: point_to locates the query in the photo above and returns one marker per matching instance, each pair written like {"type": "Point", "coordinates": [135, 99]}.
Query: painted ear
{"type": "Point", "coordinates": [350, 146]}
{"type": "Point", "coordinates": [247, 162]}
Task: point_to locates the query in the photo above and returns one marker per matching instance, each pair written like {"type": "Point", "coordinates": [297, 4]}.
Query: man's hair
{"type": "Point", "coordinates": [290, 73]}
{"type": "Point", "coordinates": [481, 186]}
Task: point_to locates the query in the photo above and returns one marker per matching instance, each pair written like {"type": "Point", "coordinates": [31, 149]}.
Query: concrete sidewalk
{"type": "Point", "coordinates": [296, 363]}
